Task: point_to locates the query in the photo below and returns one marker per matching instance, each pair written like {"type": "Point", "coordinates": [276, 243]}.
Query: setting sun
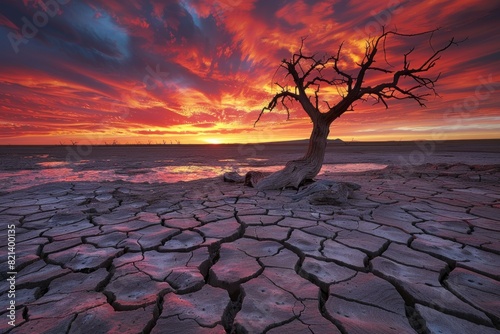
{"type": "Point", "coordinates": [213, 141]}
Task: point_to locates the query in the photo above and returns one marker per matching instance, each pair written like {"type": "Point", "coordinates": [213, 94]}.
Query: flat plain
{"type": "Point", "coordinates": [414, 250]}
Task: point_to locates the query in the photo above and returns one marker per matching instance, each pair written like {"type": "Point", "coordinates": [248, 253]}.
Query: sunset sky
{"type": "Point", "coordinates": [199, 71]}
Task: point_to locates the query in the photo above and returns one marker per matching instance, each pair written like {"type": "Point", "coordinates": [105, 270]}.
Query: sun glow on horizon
{"type": "Point", "coordinates": [213, 141]}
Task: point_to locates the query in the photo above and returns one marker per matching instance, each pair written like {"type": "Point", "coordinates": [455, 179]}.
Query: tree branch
{"type": "Point", "coordinates": [280, 97]}
{"type": "Point", "coordinates": [312, 73]}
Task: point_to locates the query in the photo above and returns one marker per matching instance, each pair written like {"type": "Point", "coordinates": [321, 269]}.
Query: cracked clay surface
{"type": "Point", "coordinates": [408, 253]}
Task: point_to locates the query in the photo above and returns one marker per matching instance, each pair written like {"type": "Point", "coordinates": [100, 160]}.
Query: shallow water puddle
{"type": "Point", "coordinates": [55, 172]}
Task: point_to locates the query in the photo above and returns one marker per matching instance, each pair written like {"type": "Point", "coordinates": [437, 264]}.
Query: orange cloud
{"type": "Point", "coordinates": [202, 70]}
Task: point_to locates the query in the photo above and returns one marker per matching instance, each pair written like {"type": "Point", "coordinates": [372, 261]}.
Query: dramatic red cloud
{"type": "Point", "coordinates": [199, 71]}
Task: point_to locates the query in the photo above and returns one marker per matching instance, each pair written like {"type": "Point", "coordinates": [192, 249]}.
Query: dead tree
{"type": "Point", "coordinates": [309, 74]}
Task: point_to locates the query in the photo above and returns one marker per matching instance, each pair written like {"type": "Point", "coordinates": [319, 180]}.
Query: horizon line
{"type": "Point", "coordinates": [296, 141]}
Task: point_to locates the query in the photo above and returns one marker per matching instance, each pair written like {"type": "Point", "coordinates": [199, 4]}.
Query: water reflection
{"type": "Point", "coordinates": [52, 164]}
{"type": "Point", "coordinates": [55, 171]}
{"type": "Point", "coordinates": [256, 159]}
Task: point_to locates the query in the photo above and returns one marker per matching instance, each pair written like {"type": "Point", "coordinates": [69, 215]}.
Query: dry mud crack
{"type": "Point", "coordinates": [407, 253]}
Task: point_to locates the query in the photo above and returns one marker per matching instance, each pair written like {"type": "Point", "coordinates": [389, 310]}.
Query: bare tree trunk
{"type": "Point", "coordinates": [298, 171]}
{"type": "Point", "coordinates": [310, 73]}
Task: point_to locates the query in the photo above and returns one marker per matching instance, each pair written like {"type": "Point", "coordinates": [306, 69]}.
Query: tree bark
{"type": "Point", "coordinates": [298, 171]}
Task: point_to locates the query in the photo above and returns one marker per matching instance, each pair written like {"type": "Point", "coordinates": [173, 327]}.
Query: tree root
{"type": "Point", "coordinates": [321, 192]}
{"type": "Point", "coordinates": [326, 192]}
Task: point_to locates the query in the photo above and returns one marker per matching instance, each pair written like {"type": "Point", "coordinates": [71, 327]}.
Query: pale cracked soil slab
{"type": "Point", "coordinates": [205, 306]}
{"type": "Point", "coordinates": [413, 251]}
{"type": "Point", "coordinates": [265, 306]}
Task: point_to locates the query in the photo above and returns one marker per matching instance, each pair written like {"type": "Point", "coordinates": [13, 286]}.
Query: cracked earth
{"type": "Point", "coordinates": [411, 252]}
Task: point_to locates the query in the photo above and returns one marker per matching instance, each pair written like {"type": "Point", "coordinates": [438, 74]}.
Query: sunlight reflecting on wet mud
{"type": "Point", "coordinates": [55, 171]}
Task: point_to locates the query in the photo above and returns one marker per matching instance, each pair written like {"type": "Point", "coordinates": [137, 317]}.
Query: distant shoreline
{"type": "Point", "coordinates": [286, 143]}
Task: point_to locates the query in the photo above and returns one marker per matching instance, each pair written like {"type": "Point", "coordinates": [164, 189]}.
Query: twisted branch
{"type": "Point", "coordinates": [308, 75]}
